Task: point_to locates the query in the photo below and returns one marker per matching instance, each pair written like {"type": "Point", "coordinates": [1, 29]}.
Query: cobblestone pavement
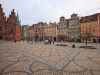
{"type": "Point", "coordinates": [22, 58]}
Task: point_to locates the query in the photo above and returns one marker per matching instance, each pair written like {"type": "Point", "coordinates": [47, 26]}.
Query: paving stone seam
{"type": "Point", "coordinates": [34, 57]}
{"type": "Point", "coordinates": [62, 64]}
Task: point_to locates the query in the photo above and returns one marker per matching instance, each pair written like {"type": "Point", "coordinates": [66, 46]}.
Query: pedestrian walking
{"type": "Point", "coordinates": [23, 39]}
{"type": "Point", "coordinates": [53, 42]}
{"type": "Point", "coordinates": [15, 40]}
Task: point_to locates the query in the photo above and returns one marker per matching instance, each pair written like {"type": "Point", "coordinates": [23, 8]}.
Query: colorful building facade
{"type": "Point", "coordinates": [62, 29]}
{"type": "Point", "coordinates": [10, 28]}
{"type": "Point", "coordinates": [30, 32]}
{"type": "Point", "coordinates": [2, 24]}
{"type": "Point", "coordinates": [74, 28]}
{"type": "Point", "coordinates": [38, 30]}
{"type": "Point", "coordinates": [24, 32]}
{"type": "Point", "coordinates": [90, 25]}
{"type": "Point", "coordinates": [50, 31]}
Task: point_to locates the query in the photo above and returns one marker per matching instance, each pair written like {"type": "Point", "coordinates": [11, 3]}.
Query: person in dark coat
{"type": "Point", "coordinates": [15, 40]}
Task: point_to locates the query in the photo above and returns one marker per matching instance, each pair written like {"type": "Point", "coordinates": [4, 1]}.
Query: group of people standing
{"type": "Point", "coordinates": [51, 42]}
{"type": "Point", "coordinates": [46, 41]}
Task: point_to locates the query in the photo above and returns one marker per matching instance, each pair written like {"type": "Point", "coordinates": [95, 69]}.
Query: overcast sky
{"type": "Point", "coordinates": [34, 11]}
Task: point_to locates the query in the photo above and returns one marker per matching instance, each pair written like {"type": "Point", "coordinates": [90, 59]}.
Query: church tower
{"type": "Point", "coordinates": [18, 28]}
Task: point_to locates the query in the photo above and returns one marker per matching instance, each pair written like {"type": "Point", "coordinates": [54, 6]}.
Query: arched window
{"type": "Point", "coordinates": [12, 29]}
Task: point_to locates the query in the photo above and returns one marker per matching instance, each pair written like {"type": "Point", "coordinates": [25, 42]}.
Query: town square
{"type": "Point", "coordinates": [50, 37]}
{"type": "Point", "coordinates": [22, 58]}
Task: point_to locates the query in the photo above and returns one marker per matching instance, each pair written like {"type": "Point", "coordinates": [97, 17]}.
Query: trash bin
{"type": "Point", "coordinates": [73, 46]}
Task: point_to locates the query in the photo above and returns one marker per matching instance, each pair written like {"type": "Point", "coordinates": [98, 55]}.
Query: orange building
{"type": "Point", "coordinates": [17, 34]}
{"type": "Point", "coordinates": [50, 31]}
{"type": "Point", "coordinates": [30, 32]}
{"type": "Point", "coordinates": [89, 27]}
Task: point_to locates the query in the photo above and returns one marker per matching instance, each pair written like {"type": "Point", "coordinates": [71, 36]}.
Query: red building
{"type": "Point", "coordinates": [10, 28]}
{"type": "Point", "coordinates": [38, 30]}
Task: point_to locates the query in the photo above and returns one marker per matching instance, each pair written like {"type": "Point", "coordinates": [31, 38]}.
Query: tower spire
{"type": "Point", "coordinates": [18, 22]}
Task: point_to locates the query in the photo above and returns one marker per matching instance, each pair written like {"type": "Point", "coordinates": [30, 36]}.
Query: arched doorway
{"type": "Point", "coordinates": [99, 40]}
{"type": "Point", "coordinates": [1, 37]}
{"type": "Point", "coordinates": [54, 38]}
{"type": "Point", "coordinates": [94, 40]}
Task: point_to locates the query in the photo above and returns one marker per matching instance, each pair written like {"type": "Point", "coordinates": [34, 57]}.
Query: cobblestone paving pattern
{"type": "Point", "coordinates": [87, 62]}
{"type": "Point", "coordinates": [49, 52]}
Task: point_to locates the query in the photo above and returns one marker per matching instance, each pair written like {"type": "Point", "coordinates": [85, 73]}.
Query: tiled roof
{"type": "Point", "coordinates": [89, 18]}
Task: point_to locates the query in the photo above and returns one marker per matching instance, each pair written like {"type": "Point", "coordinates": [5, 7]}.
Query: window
{"type": "Point", "coordinates": [92, 29]}
{"type": "Point", "coordinates": [0, 28]}
{"type": "Point", "coordinates": [12, 29]}
{"type": "Point", "coordinates": [86, 29]}
{"type": "Point", "coordinates": [87, 20]}
{"type": "Point", "coordinates": [12, 20]}
{"type": "Point", "coordinates": [86, 24]}
{"type": "Point", "coordinates": [82, 24]}
{"type": "Point", "coordinates": [92, 23]}
{"type": "Point", "coordinates": [17, 36]}
{"type": "Point", "coordinates": [89, 28]}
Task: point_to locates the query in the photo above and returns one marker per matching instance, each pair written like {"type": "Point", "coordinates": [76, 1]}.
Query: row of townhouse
{"type": "Point", "coordinates": [73, 29]}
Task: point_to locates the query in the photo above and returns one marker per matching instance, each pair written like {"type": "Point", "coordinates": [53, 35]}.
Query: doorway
{"type": "Point", "coordinates": [1, 37]}
{"type": "Point", "coordinates": [54, 38]}
{"type": "Point", "coordinates": [99, 40]}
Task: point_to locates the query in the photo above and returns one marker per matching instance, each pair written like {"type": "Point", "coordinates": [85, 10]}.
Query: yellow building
{"type": "Point", "coordinates": [30, 32]}
{"type": "Point", "coordinates": [89, 28]}
{"type": "Point", "coordinates": [50, 31]}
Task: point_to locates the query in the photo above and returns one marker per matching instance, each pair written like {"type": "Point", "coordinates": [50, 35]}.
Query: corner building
{"type": "Point", "coordinates": [91, 24]}
{"type": "Point", "coordinates": [10, 28]}
{"type": "Point", "coordinates": [2, 24]}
